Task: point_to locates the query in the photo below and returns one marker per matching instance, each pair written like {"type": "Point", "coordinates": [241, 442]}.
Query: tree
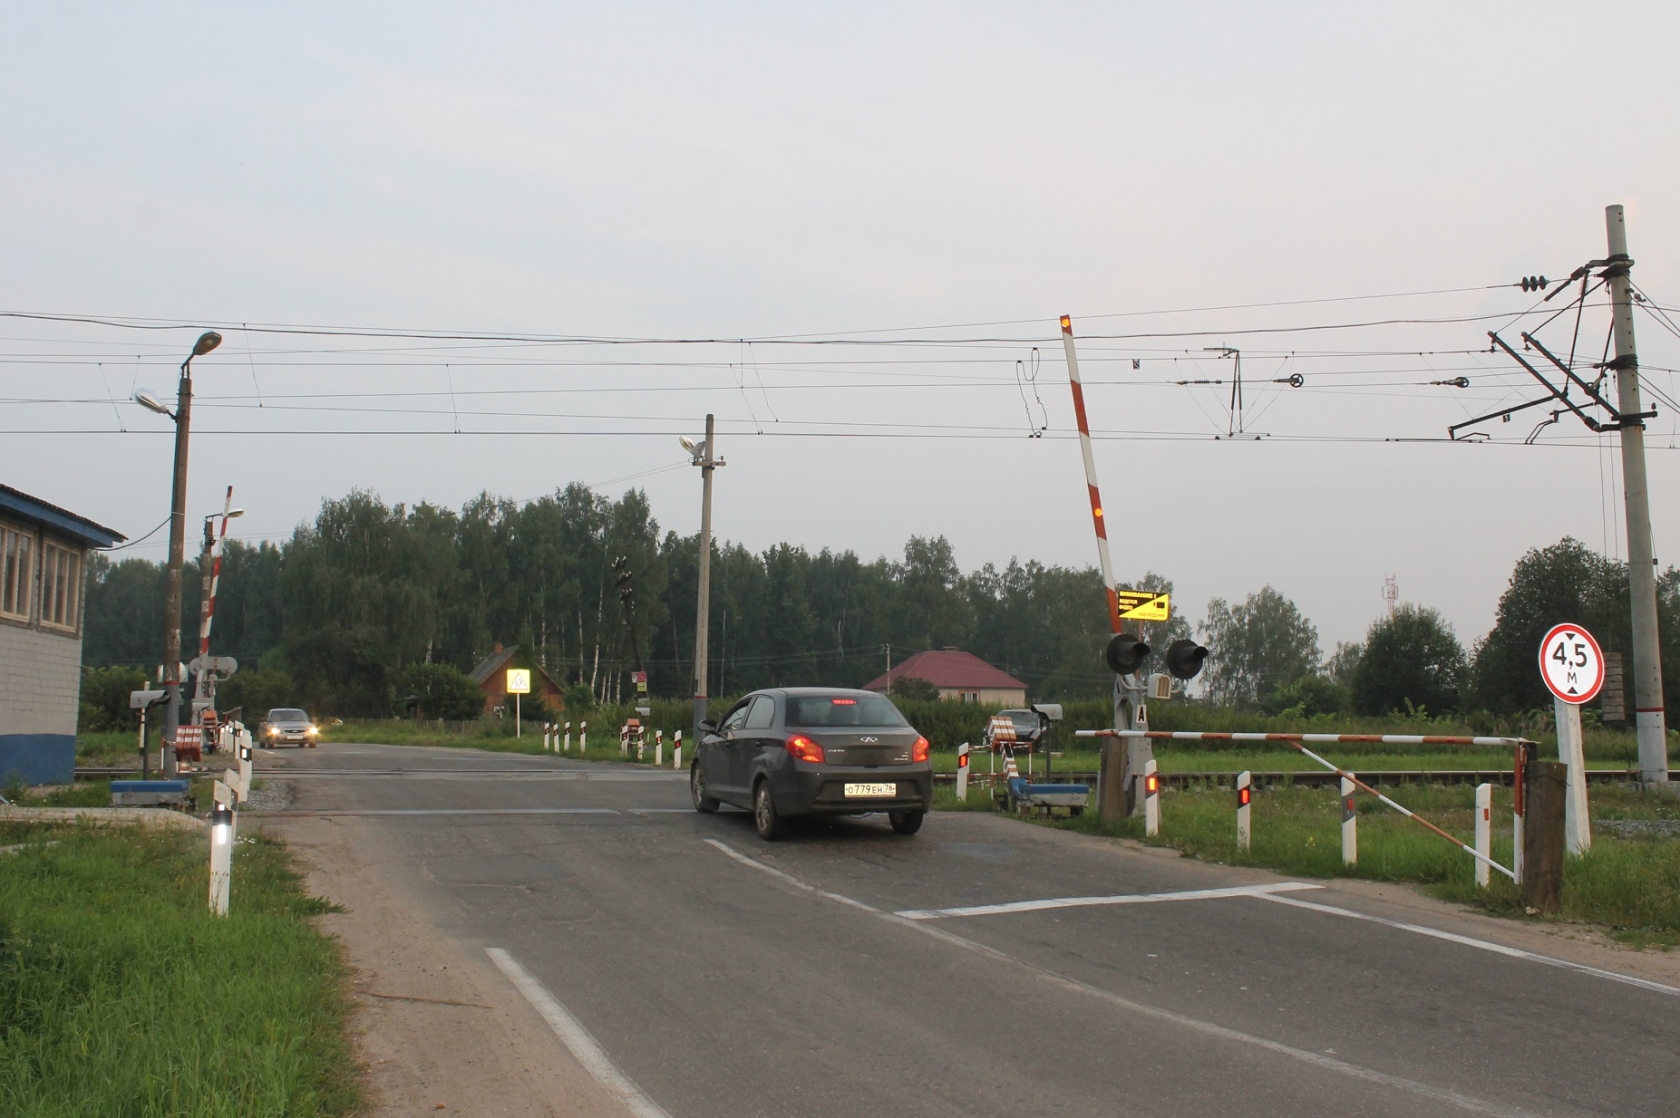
{"type": "Point", "coordinates": [1343, 662]}
{"type": "Point", "coordinates": [914, 688]}
{"type": "Point", "coordinates": [440, 691]}
{"type": "Point", "coordinates": [104, 702]}
{"type": "Point", "coordinates": [1412, 661]}
{"type": "Point", "coordinates": [1256, 647]}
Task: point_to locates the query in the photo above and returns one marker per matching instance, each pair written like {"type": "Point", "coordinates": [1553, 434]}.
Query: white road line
{"type": "Point", "coordinates": [1206, 1028]}
{"type": "Point", "coordinates": [787, 877]}
{"type": "Point", "coordinates": [660, 810]}
{"type": "Point", "coordinates": [574, 1036]}
{"type": "Point", "coordinates": [1122, 898]}
{"type": "Point", "coordinates": [1480, 944]}
{"type": "Point", "coordinates": [459, 811]}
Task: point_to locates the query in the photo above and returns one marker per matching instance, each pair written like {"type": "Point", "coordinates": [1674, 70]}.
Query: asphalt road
{"type": "Point", "coordinates": [819, 976]}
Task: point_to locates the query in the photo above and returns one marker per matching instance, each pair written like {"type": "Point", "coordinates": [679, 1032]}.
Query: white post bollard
{"type": "Point", "coordinates": [1484, 832]}
{"type": "Point", "coordinates": [1245, 793]}
{"type": "Point", "coordinates": [1577, 829]}
{"type": "Point", "coordinates": [583, 737]}
{"type": "Point", "coordinates": [221, 856]}
{"type": "Point", "coordinates": [1151, 799]}
{"type": "Point", "coordinates": [566, 742]}
{"type": "Point", "coordinates": [962, 772]}
{"type": "Point", "coordinates": [245, 763]}
{"type": "Point", "coordinates": [659, 749]}
{"type": "Point", "coordinates": [676, 752]}
{"type": "Point", "coordinates": [1350, 825]}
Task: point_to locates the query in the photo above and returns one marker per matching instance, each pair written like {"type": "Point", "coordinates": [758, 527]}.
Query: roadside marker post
{"type": "Point", "coordinates": [658, 749]}
{"type": "Point", "coordinates": [1245, 792]}
{"type": "Point", "coordinates": [1350, 826]}
{"type": "Point", "coordinates": [583, 737]}
{"type": "Point", "coordinates": [1151, 799]}
{"type": "Point", "coordinates": [676, 751]}
{"type": "Point", "coordinates": [962, 772]}
{"type": "Point", "coordinates": [221, 852]}
{"type": "Point", "coordinates": [1572, 664]}
{"type": "Point", "coordinates": [545, 737]}
{"type": "Point", "coordinates": [624, 740]}
{"type": "Point", "coordinates": [566, 742]}
{"type": "Point", "coordinates": [1484, 832]}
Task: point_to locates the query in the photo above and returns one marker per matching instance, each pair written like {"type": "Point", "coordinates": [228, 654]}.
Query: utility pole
{"type": "Point", "coordinates": [1649, 717]}
{"type": "Point", "coordinates": [705, 456]}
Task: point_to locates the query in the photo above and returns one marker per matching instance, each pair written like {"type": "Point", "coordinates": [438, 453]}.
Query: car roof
{"type": "Point", "coordinates": [797, 691]}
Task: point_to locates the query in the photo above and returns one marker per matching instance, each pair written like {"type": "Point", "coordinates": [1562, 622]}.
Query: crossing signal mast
{"type": "Point", "coordinates": [627, 598]}
{"type": "Point", "coordinates": [1127, 654]}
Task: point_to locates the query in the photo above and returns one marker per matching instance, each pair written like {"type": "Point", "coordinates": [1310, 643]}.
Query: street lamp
{"type": "Point", "coordinates": [182, 416]}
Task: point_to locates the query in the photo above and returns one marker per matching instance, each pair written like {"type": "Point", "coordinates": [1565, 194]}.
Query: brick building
{"type": "Point", "coordinates": [491, 677]}
{"type": "Point", "coordinates": [43, 568]}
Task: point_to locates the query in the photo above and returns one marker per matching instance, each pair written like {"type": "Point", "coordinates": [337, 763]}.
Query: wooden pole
{"type": "Point", "coordinates": [1543, 834]}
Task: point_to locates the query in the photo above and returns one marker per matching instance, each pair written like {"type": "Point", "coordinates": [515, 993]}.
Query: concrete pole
{"type": "Point", "coordinates": [1649, 716]}
{"type": "Point", "coordinates": [703, 606]}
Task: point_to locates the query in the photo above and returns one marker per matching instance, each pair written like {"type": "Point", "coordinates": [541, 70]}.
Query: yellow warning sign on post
{"type": "Point", "coordinates": [1144, 605]}
{"type": "Point", "coordinates": [519, 681]}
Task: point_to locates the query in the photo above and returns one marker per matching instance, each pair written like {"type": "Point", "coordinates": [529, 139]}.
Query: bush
{"type": "Point", "coordinates": [440, 691]}
{"type": "Point", "coordinates": [914, 689]}
{"type": "Point", "coordinates": [256, 693]}
{"type": "Point", "coordinates": [104, 704]}
{"type": "Point", "coordinates": [579, 698]}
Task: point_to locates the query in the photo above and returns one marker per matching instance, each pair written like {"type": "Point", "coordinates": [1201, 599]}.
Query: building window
{"type": "Point", "coordinates": [14, 572]}
{"type": "Point", "coordinates": [61, 586]}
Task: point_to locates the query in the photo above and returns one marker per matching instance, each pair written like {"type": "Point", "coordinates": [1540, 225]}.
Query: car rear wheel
{"type": "Point", "coordinates": [697, 790]}
{"type": "Point", "coordinates": [771, 826]}
{"type": "Point", "coordinates": [906, 822]}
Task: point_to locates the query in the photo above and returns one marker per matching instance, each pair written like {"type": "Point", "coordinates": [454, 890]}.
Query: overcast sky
{"type": "Point", "coordinates": [757, 171]}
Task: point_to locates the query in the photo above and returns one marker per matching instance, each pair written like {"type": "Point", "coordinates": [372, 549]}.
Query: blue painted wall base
{"type": "Point", "coordinates": [38, 758]}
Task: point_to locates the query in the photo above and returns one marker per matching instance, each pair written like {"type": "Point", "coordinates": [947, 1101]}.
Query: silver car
{"type": "Point", "coordinates": [287, 726]}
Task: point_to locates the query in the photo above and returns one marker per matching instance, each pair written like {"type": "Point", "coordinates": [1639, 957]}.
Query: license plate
{"type": "Point", "coordinates": [871, 789]}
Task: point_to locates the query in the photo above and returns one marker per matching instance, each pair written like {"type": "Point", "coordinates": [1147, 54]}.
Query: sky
{"type": "Point", "coordinates": [535, 243]}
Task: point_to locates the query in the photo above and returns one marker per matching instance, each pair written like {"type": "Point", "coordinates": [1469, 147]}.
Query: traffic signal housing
{"type": "Point", "coordinates": [1125, 653]}
{"type": "Point", "coordinates": [1184, 658]}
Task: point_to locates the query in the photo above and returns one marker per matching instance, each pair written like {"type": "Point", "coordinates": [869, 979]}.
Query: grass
{"type": "Point", "coordinates": [1629, 887]}
{"type": "Point", "coordinates": [121, 995]}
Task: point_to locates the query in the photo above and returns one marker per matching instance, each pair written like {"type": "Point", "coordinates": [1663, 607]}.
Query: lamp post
{"type": "Point", "coordinates": [182, 415]}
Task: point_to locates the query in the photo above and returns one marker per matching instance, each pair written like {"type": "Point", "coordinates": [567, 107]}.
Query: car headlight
{"type": "Point", "coordinates": [273, 731]}
{"type": "Point", "coordinates": [312, 731]}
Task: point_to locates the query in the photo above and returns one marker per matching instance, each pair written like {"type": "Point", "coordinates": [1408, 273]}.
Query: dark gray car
{"type": "Point", "coordinates": [793, 751]}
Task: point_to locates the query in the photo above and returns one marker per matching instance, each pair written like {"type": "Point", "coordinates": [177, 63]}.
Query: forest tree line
{"type": "Point", "coordinates": [344, 615]}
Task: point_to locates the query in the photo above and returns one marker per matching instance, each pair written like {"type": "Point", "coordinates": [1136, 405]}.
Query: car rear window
{"type": "Point", "coordinates": [842, 710]}
{"type": "Point", "coordinates": [287, 714]}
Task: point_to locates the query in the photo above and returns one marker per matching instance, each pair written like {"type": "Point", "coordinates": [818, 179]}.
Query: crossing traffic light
{"type": "Point", "coordinates": [626, 592]}
{"type": "Point", "coordinates": [1125, 653]}
{"type": "Point", "coordinates": [1184, 658]}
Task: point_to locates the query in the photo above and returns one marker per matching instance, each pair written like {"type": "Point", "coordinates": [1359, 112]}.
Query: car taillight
{"type": "Point", "coordinates": [804, 749]}
{"type": "Point", "coordinates": [919, 751]}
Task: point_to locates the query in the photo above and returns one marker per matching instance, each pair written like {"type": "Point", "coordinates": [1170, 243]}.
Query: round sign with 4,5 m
{"type": "Point", "coordinates": [1571, 664]}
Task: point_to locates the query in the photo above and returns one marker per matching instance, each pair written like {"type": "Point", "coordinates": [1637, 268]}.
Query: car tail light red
{"type": "Point", "coordinates": [919, 751]}
{"type": "Point", "coordinates": [804, 749]}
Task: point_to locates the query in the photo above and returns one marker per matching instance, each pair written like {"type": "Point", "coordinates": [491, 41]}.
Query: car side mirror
{"type": "Point", "coordinates": [708, 726]}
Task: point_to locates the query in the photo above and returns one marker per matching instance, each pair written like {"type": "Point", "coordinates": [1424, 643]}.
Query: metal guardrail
{"type": "Point", "coordinates": [1312, 778]}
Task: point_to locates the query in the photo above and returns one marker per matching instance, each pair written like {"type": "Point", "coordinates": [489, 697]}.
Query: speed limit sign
{"type": "Point", "coordinates": [1572, 664]}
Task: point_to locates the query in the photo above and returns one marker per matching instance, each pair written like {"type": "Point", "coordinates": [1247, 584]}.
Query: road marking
{"type": "Point", "coordinates": [1123, 898]}
{"type": "Point", "coordinates": [1480, 944]}
{"type": "Point", "coordinates": [660, 810]}
{"type": "Point", "coordinates": [459, 811]}
{"type": "Point", "coordinates": [574, 1036]}
{"type": "Point", "coordinates": [787, 877]}
{"type": "Point", "coordinates": [1206, 1028]}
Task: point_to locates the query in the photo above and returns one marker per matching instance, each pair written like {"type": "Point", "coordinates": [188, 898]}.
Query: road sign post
{"type": "Point", "coordinates": [518, 683]}
{"type": "Point", "coordinates": [1573, 667]}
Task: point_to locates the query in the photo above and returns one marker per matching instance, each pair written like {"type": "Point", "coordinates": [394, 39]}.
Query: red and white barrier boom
{"type": "Point", "coordinates": [1090, 473]}
{"type": "Point", "coordinates": [1298, 742]}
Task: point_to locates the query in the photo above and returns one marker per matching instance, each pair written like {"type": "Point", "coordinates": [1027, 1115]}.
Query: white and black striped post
{"type": "Point", "coordinates": [566, 742]}
{"type": "Point", "coordinates": [1245, 793]}
{"type": "Point", "coordinates": [1350, 825]}
{"type": "Point", "coordinates": [1484, 832]}
{"type": "Point", "coordinates": [1151, 799]}
{"type": "Point", "coordinates": [583, 737]}
{"type": "Point", "coordinates": [676, 751]}
{"type": "Point", "coordinates": [221, 852]}
{"type": "Point", "coordinates": [658, 749]}
{"type": "Point", "coordinates": [962, 772]}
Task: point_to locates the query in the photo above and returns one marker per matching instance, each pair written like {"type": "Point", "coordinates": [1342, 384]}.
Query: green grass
{"type": "Point", "coordinates": [1630, 887]}
{"type": "Point", "coordinates": [121, 995]}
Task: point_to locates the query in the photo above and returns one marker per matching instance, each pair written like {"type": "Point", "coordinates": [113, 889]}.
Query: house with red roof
{"type": "Point", "coordinates": [958, 675]}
